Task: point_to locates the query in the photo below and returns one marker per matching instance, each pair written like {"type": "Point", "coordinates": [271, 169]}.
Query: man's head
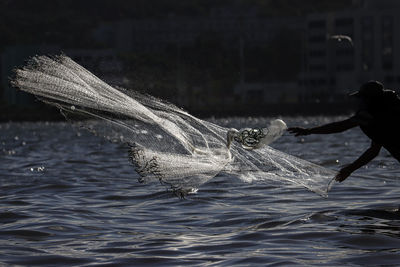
{"type": "Point", "coordinates": [369, 90]}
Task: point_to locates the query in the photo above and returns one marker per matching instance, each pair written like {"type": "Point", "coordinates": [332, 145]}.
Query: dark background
{"type": "Point", "coordinates": [199, 75]}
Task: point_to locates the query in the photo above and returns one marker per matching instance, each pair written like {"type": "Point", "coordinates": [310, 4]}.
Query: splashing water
{"type": "Point", "coordinates": [166, 143]}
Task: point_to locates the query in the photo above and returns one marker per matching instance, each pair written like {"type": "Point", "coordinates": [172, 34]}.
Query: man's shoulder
{"type": "Point", "coordinates": [391, 104]}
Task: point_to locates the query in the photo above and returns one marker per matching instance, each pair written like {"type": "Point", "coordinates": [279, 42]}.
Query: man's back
{"type": "Point", "coordinates": [379, 119]}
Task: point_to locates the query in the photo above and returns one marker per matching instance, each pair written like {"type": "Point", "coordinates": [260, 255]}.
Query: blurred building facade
{"type": "Point", "coordinates": [331, 64]}
{"type": "Point", "coordinates": [228, 24]}
{"type": "Point", "coordinates": [238, 30]}
{"type": "Point", "coordinates": [334, 65]}
{"type": "Point", "coordinates": [267, 93]}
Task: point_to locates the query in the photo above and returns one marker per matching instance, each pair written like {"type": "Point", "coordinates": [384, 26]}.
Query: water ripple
{"type": "Point", "coordinates": [74, 200]}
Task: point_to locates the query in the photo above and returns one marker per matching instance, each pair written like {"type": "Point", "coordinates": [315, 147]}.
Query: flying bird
{"type": "Point", "coordinates": [340, 38]}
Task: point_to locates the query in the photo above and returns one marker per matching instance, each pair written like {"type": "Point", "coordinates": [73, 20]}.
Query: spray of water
{"type": "Point", "coordinates": [166, 143]}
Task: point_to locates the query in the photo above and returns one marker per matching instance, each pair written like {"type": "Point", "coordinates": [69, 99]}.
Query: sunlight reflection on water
{"type": "Point", "coordinates": [73, 199]}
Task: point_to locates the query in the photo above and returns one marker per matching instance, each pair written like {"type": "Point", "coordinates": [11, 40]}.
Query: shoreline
{"type": "Point", "coordinates": [49, 113]}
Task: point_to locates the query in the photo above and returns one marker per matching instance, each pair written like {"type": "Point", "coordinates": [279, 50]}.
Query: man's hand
{"type": "Point", "coordinates": [366, 157]}
{"type": "Point", "coordinates": [344, 173]}
{"type": "Point", "coordinates": [297, 131]}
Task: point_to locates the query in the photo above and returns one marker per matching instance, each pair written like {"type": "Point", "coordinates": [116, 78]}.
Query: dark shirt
{"type": "Point", "coordinates": [379, 118]}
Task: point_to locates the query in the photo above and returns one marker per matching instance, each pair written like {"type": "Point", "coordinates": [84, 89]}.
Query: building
{"type": "Point", "coordinates": [334, 65]}
{"type": "Point", "coordinates": [227, 24]}
{"type": "Point", "coordinates": [236, 30]}
{"type": "Point", "coordinates": [1, 81]}
{"type": "Point", "coordinates": [267, 93]}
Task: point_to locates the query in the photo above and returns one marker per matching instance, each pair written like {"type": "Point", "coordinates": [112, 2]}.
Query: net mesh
{"type": "Point", "coordinates": [166, 143]}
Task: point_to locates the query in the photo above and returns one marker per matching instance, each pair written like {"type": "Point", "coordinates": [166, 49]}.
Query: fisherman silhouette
{"type": "Point", "coordinates": [377, 116]}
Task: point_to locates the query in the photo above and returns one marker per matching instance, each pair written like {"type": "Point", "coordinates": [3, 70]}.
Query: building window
{"type": "Point", "coordinates": [345, 67]}
{"type": "Point", "coordinates": [317, 39]}
{"type": "Point", "coordinates": [344, 52]}
{"type": "Point", "coordinates": [344, 22]}
{"type": "Point", "coordinates": [367, 43]}
{"type": "Point", "coordinates": [321, 82]}
{"type": "Point", "coordinates": [317, 53]}
{"type": "Point", "coordinates": [317, 67]}
{"type": "Point", "coordinates": [317, 24]}
{"type": "Point", "coordinates": [387, 43]}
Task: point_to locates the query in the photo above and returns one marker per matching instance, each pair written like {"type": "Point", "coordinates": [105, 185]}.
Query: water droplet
{"type": "Point", "coordinates": [37, 169]}
{"type": "Point", "coordinates": [16, 138]}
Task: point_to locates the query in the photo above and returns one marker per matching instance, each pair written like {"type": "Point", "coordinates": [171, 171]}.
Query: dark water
{"type": "Point", "coordinates": [73, 199]}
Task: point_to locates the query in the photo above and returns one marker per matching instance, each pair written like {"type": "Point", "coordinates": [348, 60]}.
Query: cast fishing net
{"type": "Point", "coordinates": [166, 144]}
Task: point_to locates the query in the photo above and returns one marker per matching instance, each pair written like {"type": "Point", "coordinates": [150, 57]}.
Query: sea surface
{"type": "Point", "coordinates": [70, 198]}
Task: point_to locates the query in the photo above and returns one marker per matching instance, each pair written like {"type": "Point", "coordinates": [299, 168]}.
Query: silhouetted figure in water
{"type": "Point", "coordinates": [377, 116]}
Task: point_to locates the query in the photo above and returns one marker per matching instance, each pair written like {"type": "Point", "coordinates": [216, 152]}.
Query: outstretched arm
{"type": "Point", "coordinates": [366, 157]}
{"type": "Point", "coordinates": [334, 127]}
